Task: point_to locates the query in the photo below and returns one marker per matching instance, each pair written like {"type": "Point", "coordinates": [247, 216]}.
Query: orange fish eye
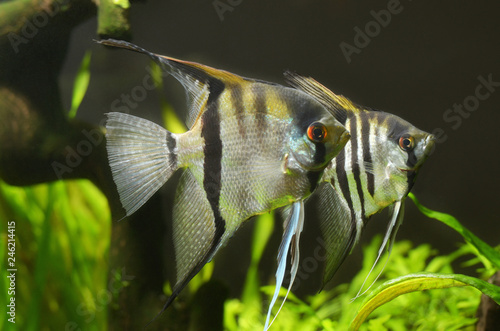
{"type": "Point", "coordinates": [406, 143]}
{"type": "Point", "coordinates": [317, 132]}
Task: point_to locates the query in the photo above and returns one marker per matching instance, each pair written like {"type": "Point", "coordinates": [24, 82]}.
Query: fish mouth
{"type": "Point", "coordinates": [430, 142]}
{"type": "Point", "coordinates": [342, 141]}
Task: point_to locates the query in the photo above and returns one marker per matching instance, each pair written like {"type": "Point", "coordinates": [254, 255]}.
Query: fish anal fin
{"type": "Point", "coordinates": [194, 231]}
{"type": "Point", "coordinates": [337, 225]}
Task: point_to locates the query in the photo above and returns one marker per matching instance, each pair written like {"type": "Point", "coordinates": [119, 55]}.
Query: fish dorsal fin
{"type": "Point", "coordinates": [198, 80]}
{"type": "Point", "coordinates": [338, 227]}
{"type": "Point", "coordinates": [290, 242]}
{"type": "Point", "coordinates": [397, 211]}
{"type": "Point", "coordinates": [194, 232]}
{"type": "Point", "coordinates": [338, 105]}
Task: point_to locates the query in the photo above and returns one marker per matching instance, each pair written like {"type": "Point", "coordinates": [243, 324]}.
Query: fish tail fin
{"type": "Point", "coordinates": [142, 156]}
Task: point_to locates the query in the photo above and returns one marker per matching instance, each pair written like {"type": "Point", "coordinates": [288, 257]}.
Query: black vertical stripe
{"type": "Point", "coordinates": [412, 160]}
{"type": "Point", "coordinates": [313, 177]}
{"type": "Point", "coordinates": [212, 163]}
{"type": "Point", "coordinates": [410, 180]}
{"type": "Point", "coordinates": [260, 104]}
{"type": "Point", "coordinates": [237, 98]}
{"type": "Point", "coordinates": [319, 153]}
{"type": "Point", "coordinates": [355, 163]}
{"type": "Point", "coordinates": [344, 186]}
{"type": "Point", "coordinates": [367, 153]}
{"type": "Point", "coordinates": [342, 179]}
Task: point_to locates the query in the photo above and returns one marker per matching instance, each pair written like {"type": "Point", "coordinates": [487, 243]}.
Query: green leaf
{"type": "Point", "coordinates": [246, 314]}
{"type": "Point", "coordinates": [201, 277]}
{"type": "Point", "coordinates": [264, 225]}
{"type": "Point", "coordinates": [62, 240]}
{"type": "Point", "coordinates": [419, 282]}
{"type": "Point", "coordinates": [81, 84]}
{"type": "Point", "coordinates": [170, 118]}
{"type": "Point", "coordinates": [483, 248]}
{"type": "Point", "coordinates": [251, 298]}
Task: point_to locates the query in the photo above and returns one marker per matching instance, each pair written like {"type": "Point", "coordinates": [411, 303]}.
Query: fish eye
{"type": "Point", "coordinates": [406, 142]}
{"type": "Point", "coordinates": [317, 132]}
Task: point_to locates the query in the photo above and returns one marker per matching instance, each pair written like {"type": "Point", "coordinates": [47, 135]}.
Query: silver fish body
{"type": "Point", "coordinates": [376, 169]}
{"type": "Point", "coordinates": [251, 147]}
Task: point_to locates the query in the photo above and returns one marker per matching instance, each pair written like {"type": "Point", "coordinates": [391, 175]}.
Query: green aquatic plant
{"type": "Point", "coordinates": [63, 281]}
{"type": "Point", "coordinates": [399, 300]}
{"type": "Point", "coordinates": [436, 279]}
{"type": "Point", "coordinates": [60, 257]}
{"type": "Point", "coordinates": [80, 84]}
{"type": "Point", "coordinates": [334, 309]}
{"type": "Point", "coordinates": [62, 232]}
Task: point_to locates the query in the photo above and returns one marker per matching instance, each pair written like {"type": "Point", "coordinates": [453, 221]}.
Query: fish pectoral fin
{"type": "Point", "coordinates": [142, 156]}
{"type": "Point", "coordinates": [290, 242]}
{"type": "Point", "coordinates": [397, 212]}
{"type": "Point", "coordinates": [337, 225]}
{"type": "Point", "coordinates": [284, 214]}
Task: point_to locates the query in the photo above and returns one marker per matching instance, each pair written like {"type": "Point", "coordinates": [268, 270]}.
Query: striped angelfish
{"type": "Point", "coordinates": [375, 170]}
{"type": "Point", "coordinates": [251, 147]}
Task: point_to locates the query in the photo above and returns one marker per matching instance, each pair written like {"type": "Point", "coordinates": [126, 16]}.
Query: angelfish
{"type": "Point", "coordinates": [376, 169]}
{"type": "Point", "coordinates": [252, 147]}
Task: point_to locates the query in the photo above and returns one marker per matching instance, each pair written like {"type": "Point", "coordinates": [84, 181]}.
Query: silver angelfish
{"type": "Point", "coordinates": [251, 147]}
{"type": "Point", "coordinates": [376, 169]}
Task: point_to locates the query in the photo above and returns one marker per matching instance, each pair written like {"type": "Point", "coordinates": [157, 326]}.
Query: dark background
{"type": "Point", "coordinates": [427, 58]}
